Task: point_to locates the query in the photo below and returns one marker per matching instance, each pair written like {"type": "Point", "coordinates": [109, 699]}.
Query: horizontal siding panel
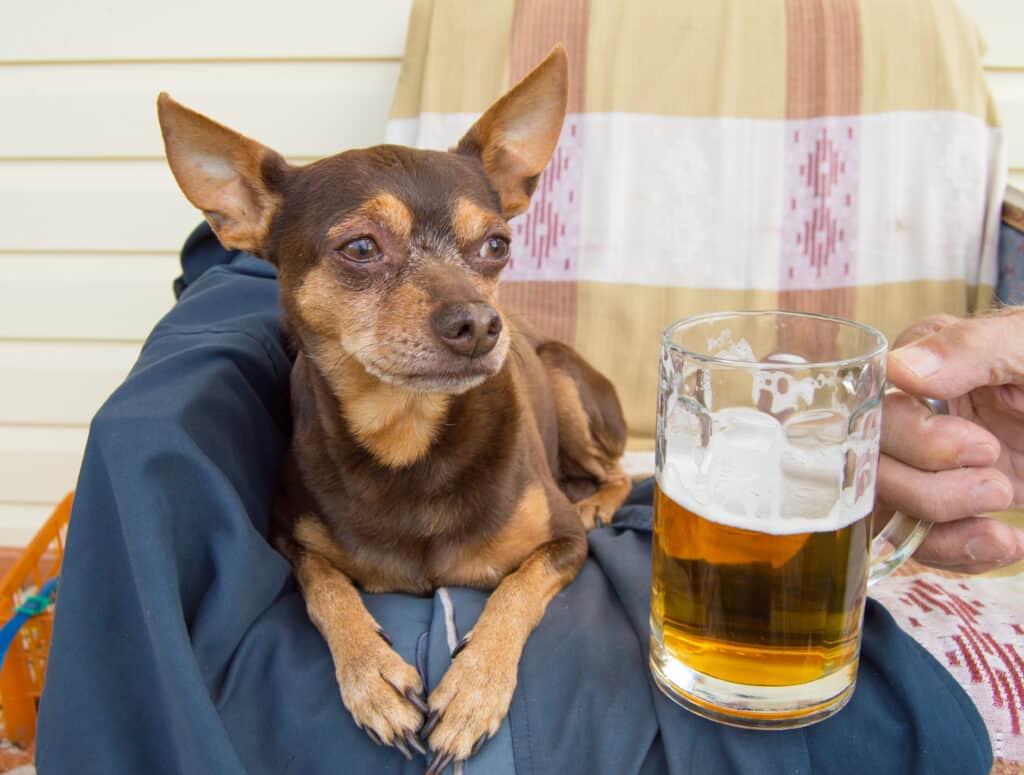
{"type": "Point", "coordinates": [1008, 92]}
{"type": "Point", "coordinates": [39, 465]}
{"type": "Point", "coordinates": [1002, 25]}
{"type": "Point", "coordinates": [18, 523]}
{"type": "Point", "coordinates": [99, 206]}
{"type": "Point", "coordinates": [60, 383]}
{"type": "Point", "coordinates": [1017, 179]}
{"type": "Point", "coordinates": [69, 30]}
{"type": "Point", "coordinates": [81, 297]}
{"type": "Point", "coordinates": [307, 109]}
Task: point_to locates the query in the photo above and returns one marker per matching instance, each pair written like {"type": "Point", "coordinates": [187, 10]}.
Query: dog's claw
{"type": "Point", "coordinates": [417, 700]}
{"type": "Point", "coordinates": [460, 646]}
{"type": "Point", "coordinates": [384, 637]}
{"type": "Point", "coordinates": [414, 742]}
{"type": "Point", "coordinates": [479, 744]}
{"type": "Point", "coordinates": [428, 726]}
{"type": "Point", "coordinates": [440, 762]}
{"type": "Point", "coordinates": [373, 736]}
{"type": "Point", "coordinates": [403, 749]}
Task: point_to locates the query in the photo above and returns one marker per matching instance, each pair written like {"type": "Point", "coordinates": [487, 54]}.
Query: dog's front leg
{"type": "Point", "coordinates": [382, 692]}
{"type": "Point", "coordinates": [468, 705]}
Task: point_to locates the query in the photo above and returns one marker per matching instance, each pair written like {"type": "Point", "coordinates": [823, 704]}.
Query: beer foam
{"type": "Point", "coordinates": [746, 469]}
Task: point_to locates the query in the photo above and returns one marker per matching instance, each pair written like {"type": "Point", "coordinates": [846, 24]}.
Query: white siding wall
{"type": "Point", "coordinates": [91, 220]}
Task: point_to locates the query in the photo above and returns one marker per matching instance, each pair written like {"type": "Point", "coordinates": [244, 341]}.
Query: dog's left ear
{"type": "Point", "coordinates": [515, 138]}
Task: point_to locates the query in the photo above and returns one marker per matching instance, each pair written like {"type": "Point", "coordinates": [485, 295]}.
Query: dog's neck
{"type": "Point", "coordinates": [394, 424]}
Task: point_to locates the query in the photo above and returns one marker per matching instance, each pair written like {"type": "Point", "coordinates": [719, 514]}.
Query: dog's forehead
{"type": "Point", "coordinates": [438, 190]}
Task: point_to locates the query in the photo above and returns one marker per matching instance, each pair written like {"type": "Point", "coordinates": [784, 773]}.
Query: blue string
{"type": "Point", "coordinates": [34, 604]}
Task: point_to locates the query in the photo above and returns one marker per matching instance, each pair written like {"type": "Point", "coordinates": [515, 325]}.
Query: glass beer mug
{"type": "Point", "coordinates": [767, 452]}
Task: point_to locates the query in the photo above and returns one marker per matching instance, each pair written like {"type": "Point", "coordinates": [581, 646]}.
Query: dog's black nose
{"type": "Point", "coordinates": [467, 328]}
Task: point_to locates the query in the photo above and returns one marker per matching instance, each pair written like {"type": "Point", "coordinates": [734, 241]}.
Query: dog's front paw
{"type": "Point", "coordinates": [384, 694]}
{"type": "Point", "coordinates": [467, 707]}
{"type": "Point", "coordinates": [594, 512]}
{"type": "Point", "coordinates": [598, 509]}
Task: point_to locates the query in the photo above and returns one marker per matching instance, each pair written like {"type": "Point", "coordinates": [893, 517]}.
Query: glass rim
{"type": "Point", "coordinates": [881, 347]}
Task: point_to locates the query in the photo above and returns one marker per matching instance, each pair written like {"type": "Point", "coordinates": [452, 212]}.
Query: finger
{"type": "Point", "coordinates": [943, 495]}
{"type": "Point", "coordinates": [972, 545]}
{"type": "Point", "coordinates": [962, 356]}
{"type": "Point", "coordinates": [923, 328]}
{"type": "Point", "coordinates": [914, 435]}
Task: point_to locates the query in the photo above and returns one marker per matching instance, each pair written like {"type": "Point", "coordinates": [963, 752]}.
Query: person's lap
{"type": "Point", "coordinates": [182, 643]}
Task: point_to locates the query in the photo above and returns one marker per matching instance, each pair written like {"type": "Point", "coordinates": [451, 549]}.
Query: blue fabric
{"type": "Point", "coordinates": [181, 643]}
{"type": "Point", "coordinates": [1010, 288]}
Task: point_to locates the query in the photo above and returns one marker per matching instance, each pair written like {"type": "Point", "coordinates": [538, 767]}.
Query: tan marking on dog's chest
{"type": "Point", "coordinates": [397, 425]}
{"type": "Point", "coordinates": [393, 423]}
{"type": "Point", "coordinates": [484, 566]}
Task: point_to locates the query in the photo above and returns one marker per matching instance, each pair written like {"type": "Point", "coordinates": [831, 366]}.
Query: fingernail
{"type": "Point", "coordinates": [990, 495]}
{"type": "Point", "coordinates": [978, 455]}
{"type": "Point", "coordinates": [920, 360]}
{"type": "Point", "coordinates": [987, 549]}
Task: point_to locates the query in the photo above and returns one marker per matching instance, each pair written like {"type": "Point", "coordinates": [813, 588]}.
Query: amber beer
{"type": "Point", "coordinates": [752, 608]}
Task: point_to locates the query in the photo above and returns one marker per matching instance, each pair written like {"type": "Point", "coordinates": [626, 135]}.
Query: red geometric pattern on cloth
{"type": "Point", "coordinates": [545, 239]}
{"type": "Point", "coordinates": [820, 204]}
{"type": "Point", "coordinates": [981, 644]}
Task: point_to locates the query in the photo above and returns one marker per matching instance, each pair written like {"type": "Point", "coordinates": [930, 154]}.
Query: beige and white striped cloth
{"type": "Point", "coordinates": [841, 156]}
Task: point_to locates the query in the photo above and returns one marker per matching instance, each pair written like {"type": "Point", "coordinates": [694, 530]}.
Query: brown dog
{"type": "Point", "coordinates": [433, 433]}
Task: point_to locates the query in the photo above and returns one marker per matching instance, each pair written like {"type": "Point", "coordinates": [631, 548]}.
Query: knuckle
{"type": "Point", "coordinates": [924, 327]}
{"type": "Point", "coordinates": [958, 335]}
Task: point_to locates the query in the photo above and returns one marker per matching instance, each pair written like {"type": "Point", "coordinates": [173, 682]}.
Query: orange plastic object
{"type": "Point", "coordinates": [21, 680]}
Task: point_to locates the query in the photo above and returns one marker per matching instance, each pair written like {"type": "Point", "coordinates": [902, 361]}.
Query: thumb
{"type": "Point", "coordinates": [962, 356]}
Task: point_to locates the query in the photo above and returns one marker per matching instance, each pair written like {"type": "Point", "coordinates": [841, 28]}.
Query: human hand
{"type": "Point", "coordinates": [952, 469]}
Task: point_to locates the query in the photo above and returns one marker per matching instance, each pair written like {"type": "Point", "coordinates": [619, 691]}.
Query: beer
{"type": "Point", "coordinates": [754, 608]}
{"type": "Point", "coordinates": [761, 553]}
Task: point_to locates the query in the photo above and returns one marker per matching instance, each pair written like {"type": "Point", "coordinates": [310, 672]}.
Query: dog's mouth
{"type": "Point", "coordinates": [425, 368]}
{"type": "Point", "coordinates": [439, 380]}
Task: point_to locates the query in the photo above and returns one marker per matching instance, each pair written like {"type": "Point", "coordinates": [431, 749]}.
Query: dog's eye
{"type": "Point", "coordinates": [494, 248]}
{"type": "Point", "coordinates": [361, 250]}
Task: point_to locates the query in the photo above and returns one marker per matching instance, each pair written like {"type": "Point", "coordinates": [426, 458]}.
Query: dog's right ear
{"type": "Point", "coordinates": [234, 180]}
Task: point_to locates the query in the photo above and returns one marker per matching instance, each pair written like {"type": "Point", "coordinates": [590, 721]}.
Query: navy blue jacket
{"type": "Point", "coordinates": [182, 645]}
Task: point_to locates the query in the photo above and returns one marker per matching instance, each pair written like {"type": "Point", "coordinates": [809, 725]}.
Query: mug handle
{"type": "Point", "coordinates": [902, 535]}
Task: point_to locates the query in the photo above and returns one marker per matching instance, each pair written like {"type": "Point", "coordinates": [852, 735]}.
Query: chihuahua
{"type": "Point", "coordinates": [438, 439]}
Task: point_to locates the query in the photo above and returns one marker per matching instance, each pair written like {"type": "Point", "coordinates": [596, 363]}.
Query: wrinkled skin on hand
{"type": "Point", "coordinates": [951, 470]}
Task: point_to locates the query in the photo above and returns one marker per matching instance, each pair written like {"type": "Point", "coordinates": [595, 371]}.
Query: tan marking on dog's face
{"type": "Point", "coordinates": [471, 222]}
{"type": "Point", "coordinates": [527, 528]}
{"type": "Point", "coordinates": [334, 314]}
{"type": "Point", "coordinates": [385, 210]}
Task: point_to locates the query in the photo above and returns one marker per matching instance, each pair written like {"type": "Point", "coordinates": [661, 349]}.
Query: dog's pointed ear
{"type": "Point", "coordinates": [515, 138]}
{"type": "Point", "coordinates": [234, 180]}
